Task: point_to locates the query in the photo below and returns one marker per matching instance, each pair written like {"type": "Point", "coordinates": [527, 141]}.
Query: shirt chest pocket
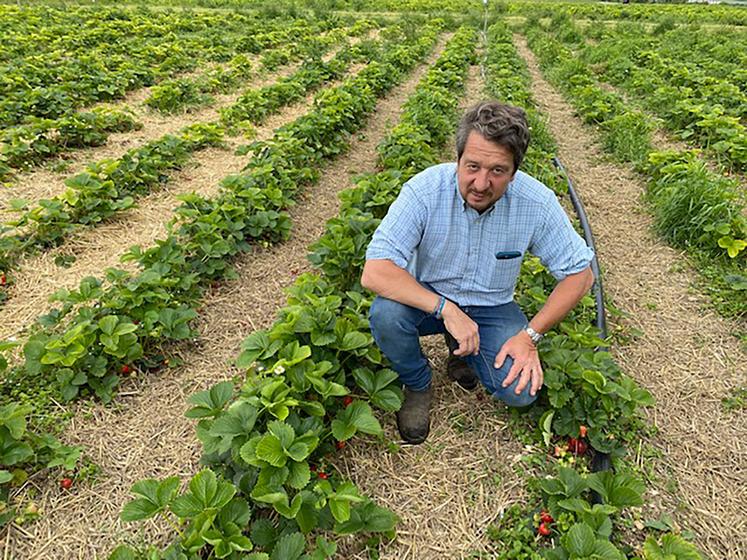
{"type": "Point", "coordinates": [502, 272]}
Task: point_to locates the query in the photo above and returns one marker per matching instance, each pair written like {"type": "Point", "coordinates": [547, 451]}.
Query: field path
{"type": "Point", "coordinates": [685, 356]}
{"type": "Point", "coordinates": [145, 433]}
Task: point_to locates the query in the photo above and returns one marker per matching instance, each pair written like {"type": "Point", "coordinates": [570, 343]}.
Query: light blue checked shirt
{"type": "Point", "coordinates": [430, 231]}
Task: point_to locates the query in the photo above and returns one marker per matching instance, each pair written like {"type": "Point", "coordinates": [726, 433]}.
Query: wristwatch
{"type": "Point", "coordinates": [534, 335]}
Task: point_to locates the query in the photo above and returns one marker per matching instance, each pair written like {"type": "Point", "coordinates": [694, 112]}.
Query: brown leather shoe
{"type": "Point", "coordinates": [414, 418]}
{"type": "Point", "coordinates": [457, 369]}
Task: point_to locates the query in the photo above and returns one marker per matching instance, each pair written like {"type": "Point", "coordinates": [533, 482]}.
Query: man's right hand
{"type": "Point", "coordinates": [462, 328]}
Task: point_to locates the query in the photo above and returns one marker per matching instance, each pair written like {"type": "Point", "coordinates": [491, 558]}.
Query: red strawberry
{"type": "Point", "coordinates": [582, 431]}
{"type": "Point", "coordinates": [544, 530]}
{"type": "Point", "coordinates": [581, 447]}
{"type": "Point", "coordinates": [66, 483]}
{"type": "Point", "coordinates": [572, 444]}
{"type": "Point", "coordinates": [347, 400]}
{"type": "Point", "coordinates": [340, 444]}
{"type": "Point", "coordinates": [546, 517]}
{"type": "Point", "coordinates": [3, 280]}
{"type": "Point", "coordinates": [125, 369]}
{"type": "Point", "coordinates": [322, 475]}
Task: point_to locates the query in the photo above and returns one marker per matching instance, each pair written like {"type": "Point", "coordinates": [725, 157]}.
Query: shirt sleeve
{"type": "Point", "coordinates": [558, 245]}
{"type": "Point", "coordinates": [400, 232]}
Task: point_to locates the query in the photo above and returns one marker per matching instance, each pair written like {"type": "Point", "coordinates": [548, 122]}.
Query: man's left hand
{"type": "Point", "coordinates": [526, 364]}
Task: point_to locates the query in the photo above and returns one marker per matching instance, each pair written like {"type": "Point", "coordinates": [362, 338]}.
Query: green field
{"type": "Point", "coordinates": [186, 365]}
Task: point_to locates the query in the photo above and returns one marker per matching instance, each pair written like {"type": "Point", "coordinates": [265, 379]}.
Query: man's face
{"type": "Point", "coordinates": [484, 171]}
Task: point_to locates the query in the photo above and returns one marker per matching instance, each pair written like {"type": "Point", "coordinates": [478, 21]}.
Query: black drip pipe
{"type": "Point", "coordinates": [600, 461]}
{"type": "Point", "coordinates": [601, 320]}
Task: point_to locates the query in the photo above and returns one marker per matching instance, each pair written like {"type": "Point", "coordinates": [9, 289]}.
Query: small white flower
{"type": "Point", "coordinates": [279, 369]}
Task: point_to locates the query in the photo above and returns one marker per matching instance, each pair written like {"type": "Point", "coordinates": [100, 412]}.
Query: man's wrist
{"type": "Point", "coordinates": [439, 308]}
{"type": "Point", "coordinates": [533, 335]}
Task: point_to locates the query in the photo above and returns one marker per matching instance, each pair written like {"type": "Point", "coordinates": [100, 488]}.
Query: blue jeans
{"type": "Point", "coordinates": [397, 329]}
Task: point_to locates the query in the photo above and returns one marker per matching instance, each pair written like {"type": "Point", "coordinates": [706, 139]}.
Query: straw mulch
{"type": "Point", "coordinates": [686, 355]}
{"type": "Point", "coordinates": [449, 489]}
{"type": "Point", "coordinates": [145, 434]}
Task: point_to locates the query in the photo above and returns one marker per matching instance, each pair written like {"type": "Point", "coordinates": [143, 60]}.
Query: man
{"type": "Point", "coordinates": [446, 259]}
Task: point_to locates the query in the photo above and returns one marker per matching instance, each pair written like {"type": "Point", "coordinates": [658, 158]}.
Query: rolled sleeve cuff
{"type": "Point", "coordinates": [381, 251]}
{"type": "Point", "coordinates": [577, 262]}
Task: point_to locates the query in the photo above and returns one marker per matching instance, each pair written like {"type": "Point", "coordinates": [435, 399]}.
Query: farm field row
{"type": "Point", "coordinates": [697, 206]}
{"type": "Point", "coordinates": [39, 132]}
{"type": "Point", "coordinates": [296, 454]}
{"type": "Point", "coordinates": [110, 186]}
{"type": "Point", "coordinates": [73, 74]}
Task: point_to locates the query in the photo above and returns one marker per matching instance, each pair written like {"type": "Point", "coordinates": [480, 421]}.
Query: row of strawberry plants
{"type": "Point", "coordinates": [102, 331]}
{"type": "Point", "coordinates": [256, 105]}
{"type": "Point", "coordinates": [728, 15]}
{"type": "Point", "coordinates": [707, 53]}
{"type": "Point", "coordinates": [696, 106]}
{"type": "Point", "coordinates": [587, 399]}
{"type": "Point", "coordinates": [171, 96]}
{"type": "Point", "coordinates": [109, 186]}
{"type": "Point", "coordinates": [33, 30]}
{"type": "Point", "coordinates": [720, 53]}
{"type": "Point", "coordinates": [106, 187]}
{"type": "Point", "coordinates": [54, 84]}
{"type": "Point", "coordinates": [696, 209]}
{"type": "Point", "coordinates": [29, 144]}
{"type": "Point", "coordinates": [295, 406]}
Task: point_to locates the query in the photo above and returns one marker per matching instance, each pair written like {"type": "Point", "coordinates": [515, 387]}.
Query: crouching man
{"type": "Point", "coordinates": [446, 259]}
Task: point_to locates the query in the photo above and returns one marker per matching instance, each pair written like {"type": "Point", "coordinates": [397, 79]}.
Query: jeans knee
{"type": "Point", "coordinates": [387, 317]}
{"type": "Point", "coordinates": [510, 398]}
{"type": "Point", "coordinates": [493, 378]}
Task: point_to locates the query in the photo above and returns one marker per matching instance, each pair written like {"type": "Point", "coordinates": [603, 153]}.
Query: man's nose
{"type": "Point", "coordinates": [482, 181]}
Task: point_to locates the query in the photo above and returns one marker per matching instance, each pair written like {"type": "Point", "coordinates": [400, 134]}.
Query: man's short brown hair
{"type": "Point", "coordinates": [505, 125]}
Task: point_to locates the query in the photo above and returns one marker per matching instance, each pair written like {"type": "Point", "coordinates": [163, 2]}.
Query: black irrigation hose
{"type": "Point", "coordinates": [600, 461]}
{"type": "Point", "coordinates": [601, 321]}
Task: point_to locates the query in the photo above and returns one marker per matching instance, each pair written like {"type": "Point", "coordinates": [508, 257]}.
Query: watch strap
{"type": "Point", "coordinates": [534, 335]}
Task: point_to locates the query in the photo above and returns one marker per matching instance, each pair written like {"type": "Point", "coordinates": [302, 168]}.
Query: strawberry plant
{"type": "Point", "coordinates": [25, 145]}
{"type": "Point", "coordinates": [22, 451]}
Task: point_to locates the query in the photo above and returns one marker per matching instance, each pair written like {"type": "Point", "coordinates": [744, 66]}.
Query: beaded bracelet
{"type": "Point", "coordinates": [439, 308]}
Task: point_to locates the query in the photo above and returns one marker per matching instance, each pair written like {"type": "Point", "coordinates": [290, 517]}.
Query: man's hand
{"type": "Point", "coordinates": [526, 364]}
{"type": "Point", "coordinates": [462, 328]}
